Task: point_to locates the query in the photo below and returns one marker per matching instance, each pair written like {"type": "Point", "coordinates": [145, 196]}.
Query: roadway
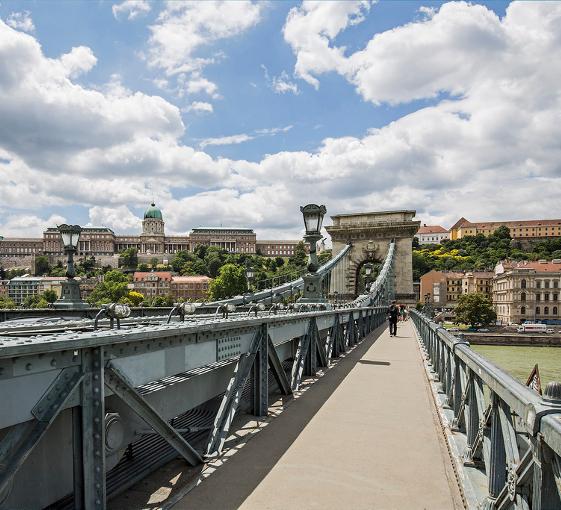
{"type": "Point", "coordinates": [364, 436]}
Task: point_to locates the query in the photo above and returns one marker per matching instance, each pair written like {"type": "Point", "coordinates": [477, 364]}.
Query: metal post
{"type": "Point", "coordinates": [260, 376]}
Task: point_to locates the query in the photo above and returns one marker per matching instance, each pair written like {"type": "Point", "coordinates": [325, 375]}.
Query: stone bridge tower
{"type": "Point", "coordinates": [370, 234]}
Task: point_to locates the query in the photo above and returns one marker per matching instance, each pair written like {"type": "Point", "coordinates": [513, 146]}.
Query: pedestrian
{"type": "Point", "coordinates": [402, 313]}
{"type": "Point", "coordinates": [393, 313]}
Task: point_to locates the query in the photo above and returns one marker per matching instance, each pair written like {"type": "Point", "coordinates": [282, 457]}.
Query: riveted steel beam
{"type": "Point", "coordinates": [20, 440]}
{"type": "Point", "coordinates": [277, 370]}
{"type": "Point", "coordinates": [118, 383]}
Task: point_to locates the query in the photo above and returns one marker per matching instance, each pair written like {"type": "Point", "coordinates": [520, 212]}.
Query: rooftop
{"type": "Point", "coordinates": [431, 229]}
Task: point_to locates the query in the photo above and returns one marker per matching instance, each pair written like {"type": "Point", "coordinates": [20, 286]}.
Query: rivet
{"type": "Point", "coordinates": [53, 363]}
{"type": "Point", "coordinates": [28, 366]}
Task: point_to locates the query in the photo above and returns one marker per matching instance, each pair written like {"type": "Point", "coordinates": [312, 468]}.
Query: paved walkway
{"type": "Point", "coordinates": [364, 436]}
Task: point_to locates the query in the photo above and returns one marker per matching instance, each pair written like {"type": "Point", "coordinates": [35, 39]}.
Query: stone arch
{"type": "Point", "coordinates": [370, 235]}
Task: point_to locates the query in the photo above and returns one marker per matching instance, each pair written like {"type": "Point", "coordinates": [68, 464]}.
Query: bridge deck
{"type": "Point", "coordinates": [364, 436]}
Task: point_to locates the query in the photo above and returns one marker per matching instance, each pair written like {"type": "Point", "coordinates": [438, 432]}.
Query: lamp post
{"type": "Point", "coordinates": [367, 272]}
{"type": "Point", "coordinates": [313, 218]}
{"type": "Point", "coordinates": [249, 275]}
{"type": "Point", "coordinates": [70, 296]}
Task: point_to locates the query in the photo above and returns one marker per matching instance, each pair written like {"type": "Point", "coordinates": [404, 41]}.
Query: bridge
{"type": "Point", "coordinates": [251, 403]}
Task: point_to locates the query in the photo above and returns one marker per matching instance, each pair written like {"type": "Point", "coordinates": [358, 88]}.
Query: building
{"type": "Point", "coordinates": [233, 240]}
{"type": "Point", "coordinates": [523, 229]}
{"type": "Point", "coordinates": [190, 288]}
{"type": "Point", "coordinates": [432, 234]}
{"type": "Point", "coordinates": [104, 245]}
{"type": "Point", "coordinates": [444, 288]}
{"type": "Point", "coordinates": [278, 248]}
{"type": "Point", "coordinates": [527, 291]}
{"type": "Point", "coordinates": [151, 284]}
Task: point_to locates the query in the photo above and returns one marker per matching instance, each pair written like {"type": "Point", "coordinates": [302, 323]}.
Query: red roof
{"type": "Point", "coordinates": [431, 229]}
{"type": "Point", "coordinates": [191, 279]}
{"type": "Point", "coordinates": [142, 275]}
{"type": "Point", "coordinates": [536, 265]}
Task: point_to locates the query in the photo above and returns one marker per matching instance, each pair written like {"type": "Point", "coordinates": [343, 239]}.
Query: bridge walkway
{"type": "Point", "coordinates": [364, 436]}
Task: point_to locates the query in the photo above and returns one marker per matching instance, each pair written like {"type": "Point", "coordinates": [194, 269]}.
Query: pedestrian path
{"type": "Point", "coordinates": [364, 436]}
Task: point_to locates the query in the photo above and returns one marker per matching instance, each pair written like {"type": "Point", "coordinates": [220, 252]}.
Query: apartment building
{"type": "Point", "coordinates": [431, 234]}
{"type": "Point", "coordinates": [444, 288]}
{"type": "Point", "coordinates": [523, 229]}
{"type": "Point", "coordinates": [527, 291]}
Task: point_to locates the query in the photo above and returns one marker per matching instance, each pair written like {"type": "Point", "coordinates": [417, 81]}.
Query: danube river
{"type": "Point", "coordinates": [519, 361]}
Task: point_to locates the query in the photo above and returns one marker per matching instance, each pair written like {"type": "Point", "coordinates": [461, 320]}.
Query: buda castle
{"type": "Point", "coordinates": [103, 244]}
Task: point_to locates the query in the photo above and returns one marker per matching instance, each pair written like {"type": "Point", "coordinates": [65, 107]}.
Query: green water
{"type": "Point", "coordinates": [519, 360]}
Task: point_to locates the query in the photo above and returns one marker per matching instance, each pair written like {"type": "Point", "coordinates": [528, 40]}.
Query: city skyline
{"type": "Point", "coordinates": [237, 113]}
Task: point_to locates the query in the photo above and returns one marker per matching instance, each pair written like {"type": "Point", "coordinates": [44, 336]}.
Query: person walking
{"type": "Point", "coordinates": [402, 313]}
{"type": "Point", "coordinates": [393, 314]}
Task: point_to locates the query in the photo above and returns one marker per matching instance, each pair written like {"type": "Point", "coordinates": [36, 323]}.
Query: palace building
{"type": "Point", "coordinates": [103, 244]}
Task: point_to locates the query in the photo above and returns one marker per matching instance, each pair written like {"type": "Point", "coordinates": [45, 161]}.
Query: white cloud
{"type": "Point", "coordinates": [281, 84]}
{"type": "Point", "coordinates": [132, 9]}
{"type": "Point", "coordinates": [118, 219]}
{"type": "Point", "coordinates": [310, 30]}
{"type": "Point", "coordinates": [21, 21]}
{"type": "Point", "coordinates": [226, 140]}
{"type": "Point", "coordinates": [185, 28]}
{"type": "Point", "coordinates": [200, 107]}
{"type": "Point", "coordinates": [27, 225]}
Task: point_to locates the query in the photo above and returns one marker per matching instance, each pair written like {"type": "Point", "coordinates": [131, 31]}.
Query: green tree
{"type": "Point", "coordinates": [112, 289]}
{"type": "Point", "coordinates": [180, 258]}
{"type": "Point", "coordinates": [144, 268]}
{"type": "Point", "coordinates": [153, 262]}
{"type": "Point", "coordinates": [475, 309]}
{"type": "Point", "coordinates": [230, 282]}
{"type": "Point", "coordinates": [129, 258]}
{"type": "Point", "coordinates": [50, 296]}
{"type": "Point", "coordinates": [503, 232]}
{"type": "Point", "coordinates": [42, 265]}
{"type": "Point", "coordinates": [325, 256]}
{"type": "Point", "coordinates": [6, 303]}
{"type": "Point", "coordinates": [134, 298]}
{"type": "Point", "coordinates": [300, 257]}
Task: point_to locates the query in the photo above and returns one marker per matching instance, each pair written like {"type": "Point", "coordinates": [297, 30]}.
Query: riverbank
{"type": "Point", "coordinates": [513, 339]}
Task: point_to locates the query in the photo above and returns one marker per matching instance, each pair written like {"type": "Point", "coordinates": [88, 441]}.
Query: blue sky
{"type": "Point", "coordinates": [357, 105]}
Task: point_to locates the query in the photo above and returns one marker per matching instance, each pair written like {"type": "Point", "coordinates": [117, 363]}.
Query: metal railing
{"type": "Point", "coordinates": [505, 430]}
{"type": "Point", "coordinates": [79, 402]}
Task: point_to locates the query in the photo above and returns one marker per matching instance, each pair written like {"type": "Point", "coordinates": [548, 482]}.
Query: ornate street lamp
{"type": "Point", "coordinates": [313, 218]}
{"type": "Point", "coordinates": [70, 295]}
{"type": "Point", "coordinates": [249, 275]}
{"type": "Point", "coordinates": [367, 273]}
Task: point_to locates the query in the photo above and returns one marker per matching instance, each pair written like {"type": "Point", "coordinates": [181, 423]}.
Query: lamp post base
{"type": "Point", "coordinates": [312, 289]}
{"type": "Point", "coordinates": [70, 297]}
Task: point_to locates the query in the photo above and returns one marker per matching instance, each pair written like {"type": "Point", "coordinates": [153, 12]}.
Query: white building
{"type": "Point", "coordinates": [432, 234]}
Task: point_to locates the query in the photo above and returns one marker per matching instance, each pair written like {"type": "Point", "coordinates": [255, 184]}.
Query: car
{"type": "Point", "coordinates": [549, 330]}
{"type": "Point", "coordinates": [483, 330]}
{"type": "Point", "coordinates": [453, 330]}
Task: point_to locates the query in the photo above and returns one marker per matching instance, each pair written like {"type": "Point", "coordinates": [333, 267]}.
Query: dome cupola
{"type": "Point", "coordinates": [153, 212]}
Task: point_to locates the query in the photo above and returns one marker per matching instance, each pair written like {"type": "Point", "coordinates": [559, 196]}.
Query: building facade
{"type": "Point", "coordinates": [444, 288]}
{"type": "Point", "coordinates": [432, 234]}
{"type": "Point", "coordinates": [151, 284]}
{"type": "Point", "coordinates": [163, 283]}
{"type": "Point", "coordinates": [523, 230]}
{"type": "Point", "coordinates": [190, 288]}
{"type": "Point", "coordinates": [278, 248]}
{"type": "Point", "coordinates": [527, 291]}
{"type": "Point", "coordinates": [103, 244]}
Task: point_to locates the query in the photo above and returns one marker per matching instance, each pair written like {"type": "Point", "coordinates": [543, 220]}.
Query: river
{"type": "Point", "coordinates": [519, 360]}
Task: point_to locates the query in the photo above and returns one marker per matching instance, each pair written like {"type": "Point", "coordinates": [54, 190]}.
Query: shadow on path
{"type": "Point", "coordinates": [233, 482]}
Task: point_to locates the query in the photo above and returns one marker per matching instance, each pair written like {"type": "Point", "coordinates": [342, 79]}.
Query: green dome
{"type": "Point", "coordinates": [153, 212]}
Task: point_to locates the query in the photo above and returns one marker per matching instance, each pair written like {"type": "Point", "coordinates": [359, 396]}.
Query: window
{"type": "Point", "coordinates": [554, 310]}
{"type": "Point", "coordinates": [555, 284]}
{"type": "Point", "coordinates": [537, 310]}
{"type": "Point", "coordinates": [538, 284]}
{"type": "Point", "coordinates": [523, 310]}
{"type": "Point", "coordinates": [546, 310]}
{"type": "Point", "coordinates": [555, 297]}
{"type": "Point", "coordinates": [523, 296]}
{"type": "Point", "coordinates": [538, 297]}
{"type": "Point", "coordinates": [546, 284]}
{"type": "Point", "coordinates": [546, 296]}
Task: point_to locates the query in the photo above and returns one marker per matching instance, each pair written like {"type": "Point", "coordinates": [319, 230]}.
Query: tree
{"type": "Point", "coordinates": [42, 265]}
{"type": "Point", "coordinates": [181, 257]}
{"type": "Point", "coordinates": [6, 303]}
{"type": "Point", "coordinates": [134, 298]}
{"type": "Point", "coordinates": [230, 282]}
{"type": "Point", "coordinates": [325, 256]}
{"type": "Point", "coordinates": [475, 309]}
{"type": "Point", "coordinates": [300, 258]}
{"type": "Point", "coordinates": [503, 232]}
{"type": "Point", "coordinates": [153, 262]}
{"type": "Point", "coordinates": [144, 268]}
{"type": "Point", "coordinates": [129, 258]}
{"type": "Point", "coordinates": [50, 296]}
{"type": "Point", "coordinates": [112, 289]}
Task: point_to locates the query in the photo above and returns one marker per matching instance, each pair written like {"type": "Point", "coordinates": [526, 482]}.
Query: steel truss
{"type": "Point", "coordinates": [511, 434]}
{"type": "Point", "coordinates": [80, 383]}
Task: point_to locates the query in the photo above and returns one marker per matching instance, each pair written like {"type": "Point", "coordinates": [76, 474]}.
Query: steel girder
{"type": "Point", "coordinates": [95, 371]}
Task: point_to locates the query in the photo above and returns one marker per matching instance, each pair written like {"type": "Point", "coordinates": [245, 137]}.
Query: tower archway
{"type": "Point", "coordinates": [370, 234]}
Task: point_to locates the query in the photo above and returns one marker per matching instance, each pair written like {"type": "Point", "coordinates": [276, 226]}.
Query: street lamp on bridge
{"type": "Point", "coordinates": [70, 296]}
{"type": "Point", "coordinates": [313, 218]}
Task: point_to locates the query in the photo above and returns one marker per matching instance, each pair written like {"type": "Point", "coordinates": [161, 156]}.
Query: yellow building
{"type": "Point", "coordinates": [523, 229]}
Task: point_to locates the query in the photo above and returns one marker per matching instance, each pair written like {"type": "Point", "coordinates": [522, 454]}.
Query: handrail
{"type": "Point", "coordinates": [507, 426]}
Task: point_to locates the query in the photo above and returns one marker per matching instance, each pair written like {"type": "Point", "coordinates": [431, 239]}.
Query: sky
{"type": "Point", "coordinates": [236, 113]}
